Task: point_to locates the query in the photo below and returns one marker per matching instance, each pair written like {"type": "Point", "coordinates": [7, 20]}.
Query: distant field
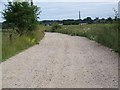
{"type": "Point", "coordinates": [106, 34]}
{"type": "Point", "coordinates": [19, 43]}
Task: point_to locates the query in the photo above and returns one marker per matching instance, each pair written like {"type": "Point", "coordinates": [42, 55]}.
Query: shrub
{"type": "Point", "coordinates": [21, 16]}
{"type": "Point", "coordinates": [20, 43]}
{"type": "Point", "coordinates": [55, 26]}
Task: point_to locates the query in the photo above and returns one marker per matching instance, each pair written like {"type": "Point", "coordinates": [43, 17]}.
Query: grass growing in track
{"type": "Point", "coordinates": [106, 34]}
{"type": "Point", "coordinates": [19, 43]}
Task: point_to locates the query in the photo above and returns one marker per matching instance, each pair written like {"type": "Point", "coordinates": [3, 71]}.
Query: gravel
{"type": "Point", "coordinates": [0, 76]}
{"type": "Point", "coordinates": [62, 61]}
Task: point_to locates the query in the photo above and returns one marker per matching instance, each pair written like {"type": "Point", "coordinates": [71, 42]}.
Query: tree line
{"type": "Point", "coordinates": [87, 20]}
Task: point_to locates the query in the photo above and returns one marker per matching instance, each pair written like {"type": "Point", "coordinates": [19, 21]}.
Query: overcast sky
{"type": "Point", "coordinates": [70, 0]}
{"type": "Point", "coordinates": [69, 10]}
{"type": "Point", "coordinates": [76, 0]}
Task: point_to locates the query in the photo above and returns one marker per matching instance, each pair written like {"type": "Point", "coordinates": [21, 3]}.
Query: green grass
{"type": "Point", "coordinates": [20, 43]}
{"type": "Point", "coordinates": [106, 34]}
{"type": "Point", "coordinates": [0, 46]}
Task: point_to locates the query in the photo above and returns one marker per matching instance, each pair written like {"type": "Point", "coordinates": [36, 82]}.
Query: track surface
{"type": "Point", "coordinates": [62, 61]}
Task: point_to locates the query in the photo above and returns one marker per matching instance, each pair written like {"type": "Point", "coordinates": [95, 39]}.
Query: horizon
{"type": "Point", "coordinates": [70, 10]}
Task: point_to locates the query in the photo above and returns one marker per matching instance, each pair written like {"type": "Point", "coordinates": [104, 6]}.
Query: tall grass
{"type": "Point", "coordinates": [20, 43]}
{"type": "Point", "coordinates": [106, 34]}
{"type": "Point", "coordinates": [0, 45]}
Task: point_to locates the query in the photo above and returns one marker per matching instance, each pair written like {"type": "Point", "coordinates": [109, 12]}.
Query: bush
{"type": "Point", "coordinates": [20, 43]}
{"type": "Point", "coordinates": [55, 26]}
{"type": "Point", "coordinates": [21, 16]}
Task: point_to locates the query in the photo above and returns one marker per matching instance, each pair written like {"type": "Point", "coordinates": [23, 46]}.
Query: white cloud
{"type": "Point", "coordinates": [76, 0]}
{"type": "Point", "coordinates": [69, 0]}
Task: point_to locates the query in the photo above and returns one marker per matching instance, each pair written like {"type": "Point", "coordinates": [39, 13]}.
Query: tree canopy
{"type": "Point", "coordinates": [21, 15]}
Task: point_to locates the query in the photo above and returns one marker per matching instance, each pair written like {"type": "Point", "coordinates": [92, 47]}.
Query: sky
{"type": "Point", "coordinates": [69, 0]}
{"type": "Point", "coordinates": [59, 10]}
{"type": "Point", "coordinates": [76, 0]}
{"type": "Point", "coordinates": [70, 10]}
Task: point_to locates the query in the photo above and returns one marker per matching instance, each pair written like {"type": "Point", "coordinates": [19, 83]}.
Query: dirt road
{"type": "Point", "coordinates": [62, 61]}
{"type": "Point", "coordinates": [0, 76]}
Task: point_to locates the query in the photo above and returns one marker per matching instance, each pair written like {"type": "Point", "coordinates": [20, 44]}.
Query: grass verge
{"type": "Point", "coordinates": [19, 43]}
{"type": "Point", "coordinates": [105, 34]}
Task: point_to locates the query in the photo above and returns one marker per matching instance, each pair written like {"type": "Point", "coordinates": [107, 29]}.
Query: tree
{"type": "Point", "coordinates": [88, 20]}
{"type": "Point", "coordinates": [109, 20]}
{"type": "Point", "coordinates": [22, 16]}
{"type": "Point", "coordinates": [96, 20]}
{"type": "Point", "coordinates": [103, 20]}
{"type": "Point", "coordinates": [55, 26]}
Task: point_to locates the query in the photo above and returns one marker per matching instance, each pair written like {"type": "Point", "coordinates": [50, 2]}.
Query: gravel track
{"type": "Point", "coordinates": [62, 61]}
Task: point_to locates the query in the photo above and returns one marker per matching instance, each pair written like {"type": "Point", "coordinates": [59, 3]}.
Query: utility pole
{"type": "Point", "coordinates": [79, 15]}
{"type": "Point", "coordinates": [31, 2]}
{"type": "Point", "coordinates": [80, 19]}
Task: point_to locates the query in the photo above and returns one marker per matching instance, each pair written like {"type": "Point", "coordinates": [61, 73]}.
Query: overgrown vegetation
{"type": "Point", "coordinates": [21, 28]}
{"type": "Point", "coordinates": [118, 25]}
{"type": "Point", "coordinates": [18, 44]}
{"type": "Point", "coordinates": [106, 34]}
{"type": "Point", "coordinates": [0, 45]}
{"type": "Point", "coordinates": [21, 16]}
{"type": "Point", "coordinates": [55, 26]}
